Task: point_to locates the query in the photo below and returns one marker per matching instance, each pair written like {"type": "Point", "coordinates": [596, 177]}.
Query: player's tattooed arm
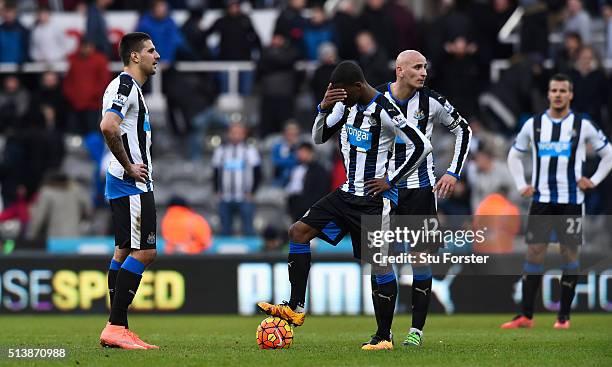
{"type": "Point", "coordinates": [112, 135]}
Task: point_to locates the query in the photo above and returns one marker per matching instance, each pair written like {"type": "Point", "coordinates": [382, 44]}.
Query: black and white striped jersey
{"type": "Point", "coordinates": [236, 170]}
{"type": "Point", "coordinates": [367, 137]}
{"type": "Point", "coordinates": [422, 110]}
{"type": "Point", "coordinates": [558, 152]}
{"type": "Point", "coordinates": [123, 96]}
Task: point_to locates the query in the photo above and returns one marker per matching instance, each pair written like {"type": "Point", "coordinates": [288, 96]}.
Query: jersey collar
{"type": "Point", "coordinates": [364, 107]}
{"type": "Point", "coordinates": [400, 102]}
{"type": "Point", "coordinates": [128, 74]}
{"type": "Point", "coordinates": [558, 121]}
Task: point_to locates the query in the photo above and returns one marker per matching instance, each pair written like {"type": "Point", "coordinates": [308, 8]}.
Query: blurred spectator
{"type": "Point", "coordinates": [486, 175]}
{"type": "Point", "coordinates": [84, 85]}
{"type": "Point", "coordinates": [206, 119]}
{"type": "Point", "coordinates": [338, 173]}
{"type": "Point", "coordinates": [376, 19]}
{"type": "Point", "coordinates": [18, 210]}
{"type": "Point", "coordinates": [407, 34]}
{"type": "Point", "coordinates": [453, 22]}
{"type": "Point", "coordinates": [53, 137]}
{"type": "Point", "coordinates": [273, 240]}
{"type": "Point", "coordinates": [481, 136]}
{"type": "Point", "coordinates": [458, 75]}
{"type": "Point", "coordinates": [14, 102]}
{"type": "Point", "coordinates": [606, 12]}
{"type": "Point", "coordinates": [95, 27]}
{"type": "Point", "coordinates": [13, 167]}
{"type": "Point", "coordinates": [346, 27]}
{"type": "Point", "coordinates": [372, 59]}
{"type": "Point", "coordinates": [490, 17]}
{"type": "Point", "coordinates": [328, 59]}
{"type": "Point", "coordinates": [500, 220]}
{"type": "Point", "coordinates": [163, 31]}
{"type": "Point", "coordinates": [283, 153]}
{"type": "Point", "coordinates": [140, 6]}
{"type": "Point", "coordinates": [566, 57]}
{"type": "Point", "coordinates": [237, 175]}
{"type": "Point", "coordinates": [515, 95]}
{"type": "Point", "coordinates": [59, 194]}
{"type": "Point", "coordinates": [30, 149]}
{"type": "Point", "coordinates": [277, 79]}
{"type": "Point", "coordinates": [235, 28]}
{"type": "Point", "coordinates": [291, 24]}
{"type": "Point", "coordinates": [184, 230]}
{"type": "Point", "coordinates": [195, 42]}
{"type": "Point", "coordinates": [308, 182]}
{"type": "Point", "coordinates": [318, 31]}
{"type": "Point", "coordinates": [47, 42]}
{"type": "Point", "coordinates": [14, 37]}
{"type": "Point", "coordinates": [49, 93]}
{"type": "Point", "coordinates": [590, 86]}
{"type": "Point", "coordinates": [578, 20]}
{"type": "Point", "coordinates": [534, 27]}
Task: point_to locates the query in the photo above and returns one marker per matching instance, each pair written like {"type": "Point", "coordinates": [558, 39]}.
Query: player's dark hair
{"type": "Point", "coordinates": [347, 72]}
{"type": "Point", "coordinates": [562, 78]}
{"type": "Point", "coordinates": [306, 145]}
{"type": "Point", "coordinates": [131, 42]}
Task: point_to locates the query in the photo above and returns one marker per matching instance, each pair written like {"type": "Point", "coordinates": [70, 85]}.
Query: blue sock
{"type": "Point", "coordinates": [421, 272]}
{"type": "Point", "coordinates": [114, 265]}
{"type": "Point", "coordinates": [113, 271]}
{"type": "Point", "coordinates": [530, 285]}
{"type": "Point", "coordinates": [128, 281]}
{"type": "Point", "coordinates": [299, 248]}
{"type": "Point", "coordinates": [421, 295]}
{"type": "Point", "coordinates": [133, 265]}
{"type": "Point", "coordinates": [531, 268]}
{"type": "Point", "coordinates": [299, 267]}
{"type": "Point", "coordinates": [384, 299]}
{"type": "Point", "coordinates": [385, 278]}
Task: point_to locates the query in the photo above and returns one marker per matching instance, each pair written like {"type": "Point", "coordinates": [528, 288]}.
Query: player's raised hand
{"type": "Point", "coordinates": [332, 95]}
{"type": "Point", "coordinates": [585, 183]}
{"type": "Point", "coordinates": [138, 172]}
{"type": "Point", "coordinates": [377, 186]}
{"type": "Point", "coordinates": [528, 191]}
{"type": "Point", "coordinates": [445, 186]}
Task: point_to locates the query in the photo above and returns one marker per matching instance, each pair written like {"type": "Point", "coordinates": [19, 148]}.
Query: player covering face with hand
{"type": "Point", "coordinates": [368, 125]}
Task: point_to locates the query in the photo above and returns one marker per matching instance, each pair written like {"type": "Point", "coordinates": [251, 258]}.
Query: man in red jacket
{"type": "Point", "coordinates": [84, 85]}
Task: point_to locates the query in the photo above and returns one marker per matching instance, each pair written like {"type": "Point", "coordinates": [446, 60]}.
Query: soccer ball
{"type": "Point", "coordinates": [274, 333]}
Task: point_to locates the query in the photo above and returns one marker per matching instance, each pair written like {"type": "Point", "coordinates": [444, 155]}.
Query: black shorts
{"type": "Point", "coordinates": [339, 213]}
{"type": "Point", "coordinates": [420, 204]}
{"type": "Point", "coordinates": [135, 221]}
{"type": "Point", "coordinates": [555, 223]}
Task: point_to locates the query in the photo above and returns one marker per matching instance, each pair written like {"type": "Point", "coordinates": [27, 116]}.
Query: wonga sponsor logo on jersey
{"type": "Point", "coordinates": [359, 138]}
{"type": "Point", "coordinates": [554, 149]}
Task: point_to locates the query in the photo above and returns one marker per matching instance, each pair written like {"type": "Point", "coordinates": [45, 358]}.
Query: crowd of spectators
{"type": "Point", "coordinates": [459, 38]}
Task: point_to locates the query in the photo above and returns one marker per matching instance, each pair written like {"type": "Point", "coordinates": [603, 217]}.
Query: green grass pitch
{"type": "Point", "coordinates": [462, 340]}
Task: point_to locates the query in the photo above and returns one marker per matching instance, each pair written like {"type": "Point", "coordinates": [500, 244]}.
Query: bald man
{"type": "Point", "coordinates": [422, 107]}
